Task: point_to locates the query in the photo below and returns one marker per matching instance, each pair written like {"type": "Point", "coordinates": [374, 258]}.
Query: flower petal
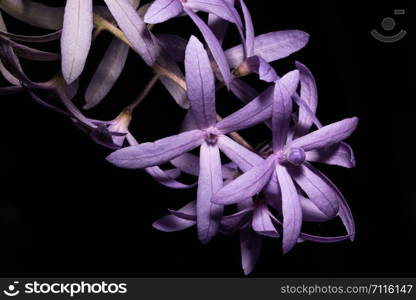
{"type": "Point", "coordinates": [163, 10]}
{"type": "Point", "coordinates": [309, 94]}
{"type": "Point", "coordinates": [250, 245]}
{"type": "Point", "coordinates": [311, 212]}
{"type": "Point", "coordinates": [134, 28]}
{"type": "Point", "coordinates": [282, 109]}
{"type": "Point", "coordinates": [325, 136]}
{"type": "Point", "coordinates": [232, 223]}
{"type": "Point", "coordinates": [153, 154]}
{"type": "Point", "coordinates": [31, 38]}
{"type": "Point", "coordinates": [324, 239]}
{"type": "Point", "coordinates": [258, 65]}
{"type": "Point", "coordinates": [33, 54]}
{"type": "Point", "coordinates": [76, 37]}
{"type": "Point", "coordinates": [107, 73]}
{"type": "Point", "coordinates": [200, 84]}
{"type": "Point", "coordinates": [270, 46]}
{"type": "Point", "coordinates": [243, 91]}
{"type": "Point", "coordinates": [171, 223]}
{"type": "Point", "coordinates": [339, 154]}
{"type": "Point", "coordinates": [34, 13]}
{"type": "Point", "coordinates": [214, 46]}
{"type": "Point", "coordinates": [165, 179]}
{"type": "Point", "coordinates": [173, 45]}
{"type": "Point", "coordinates": [187, 212]}
{"type": "Point", "coordinates": [244, 158]}
{"type": "Point", "coordinates": [261, 223]}
{"type": "Point", "coordinates": [210, 181]}
{"type": "Point", "coordinates": [291, 209]}
{"type": "Point", "coordinates": [246, 185]}
{"type": "Point", "coordinates": [248, 23]}
{"type": "Point", "coordinates": [316, 186]}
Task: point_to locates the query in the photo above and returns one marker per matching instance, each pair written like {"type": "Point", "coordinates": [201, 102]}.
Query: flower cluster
{"type": "Point", "coordinates": [274, 188]}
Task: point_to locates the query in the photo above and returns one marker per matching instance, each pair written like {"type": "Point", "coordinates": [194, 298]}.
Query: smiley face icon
{"type": "Point", "coordinates": [389, 24]}
{"type": "Point", "coordinates": [12, 290]}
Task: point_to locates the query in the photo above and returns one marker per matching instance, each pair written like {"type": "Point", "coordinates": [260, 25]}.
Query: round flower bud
{"type": "Point", "coordinates": [296, 156]}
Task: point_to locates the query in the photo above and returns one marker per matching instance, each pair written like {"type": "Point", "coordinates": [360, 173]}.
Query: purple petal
{"type": "Point", "coordinates": [258, 65]}
{"type": "Point", "coordinates": [261, 223]}
{"type": "Point", "coordinates": [76, 37]}
{"type": "Point", "coordinates": [258, 110]}
{"type": "Point", "coordinates": [250, 245]}
{"type": "Point", "coordinates": [282, 109]}
{"type": "Point", "coordinates": [291, 209]}
{"type": "Point", "coordinates": [187, 163]}
{"type": "Point", "coordinates": [32, 39]}
{"type": "Point", "coordinates": [218, 25]}
{"type": "Point", "coordinates": [244, 158]}
{"type": "Point", "coordinates": [163, 10]}
{"type": "Point", "coordinates": [200, 84]}
{"type": "Point", "coordinates": [166, 179]}
{"type": "Point", "coordinates": [243, 91]}
{"type": "Point", "coordinates": [248, 23]}
{"type": "Point", "coordinates": [247, 185]}
{"type": "Point", "coordinates": [172, 223]}
{"type": "Point", "coordinates": [34, 13]}
{"type": "Point", "coordinates": [325, 136]}
{"type": "Point", "coordinates": [173, 45]}
{"type": "Point", "coordinates": [33, 54]}
{"type": "Point", "coordinates": [107, 73]}
{"type": "Point", "coordinates": [214, 46]}
{"type": "Point", "coordinates": [187, 212]}
{"type": "Point", "coordinates": [339, 154]}
{"type": "Point", "coordinates": [309, 94]}
{"type": "Point", "coordinates": [11, 62]}
{"type": "Point", "coordinates": [324, 239]}
{"type": "Point", "coordinates": [311, 212]}
{"type": "Point", "coordinates": [153, 154]}
{"type": "Point", "coordinates": [270, 46]}
{"type": "Point", "coordinates": [134, 28]}
{"type": "Point", "coordinates": [220, 8]}
{"type": "Point", "coordinates": [231, 223]}
{"type": "Point", "coordinates": [319, 191]}
{"type": "Point", "coordinates": [210, 181]}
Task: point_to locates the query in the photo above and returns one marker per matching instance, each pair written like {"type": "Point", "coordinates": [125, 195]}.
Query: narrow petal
{"type": "Point", "coordinates": [218, 27]}
{"type": "Point", "coordinates": [244, 158]}
{"type": "Point", "coordinates": [172, 223]}
{"type": "Point", "coordinates": [248, 23]}
{"type": "Point", "coordinates": [200, 84]}
{"type": "Point", "coordinates": [282, 109]}
{"type": "Point", "coordinates": [324, 239]}
{"type": "Point", "coordinates": [316, 186]}
{"type": "Point", "coordinates": [210, 181]}
{"type": "Point", "coordinates": [243, 91]}
{"type": "Point", "coordinates": [34, 13]}
{"type": "Point", "coordinates": [258, 65]}
{"type": "Point", "coordinates": [165, 179]}
{"type": "Point", "coordinates": [11, 62]}
{"type": "Point", "coordinates": [76, 37]}
{"type": "Point", "coordinates": [246, 185]}
{"type": "Point", "coordinates": [214, 46]}
{"type": "Point", "coordinates": [34, 54]}
{"type": "Point", "coordinates": [310, 212]}
{"type": "Point", "coordinates": [9, 90]}
{"type": "Point", "coordinates": [173, 45]}
{"type": "Point", "coordinates": [187, 163]}
{"type": "Point", "coordinates": [153, 154]}
{"type": "Point", "coordinates": [188, 212]}
{"type": "Point", "coordinates": [250, 245]}
{"type": "Point", "coordinates": [291, 209]}
{"type": "Point", "coordinates": [163, 10]}
{"type": "Point", "coordinates": [309, 94]}
{"type": "Point", "coordinates": [232, 223]}
{"type": "Point", "coordinates": [6, 74]}
{"type": "Point", "coordinates": [32, 38]}
{"type": "Point", "coordinates": [339, 154]}
{"type": "Point", "coordinates": [134, 28]}
{"type": "Point", "coordinates": [107, 73]}
{"type": "Point", "coordinates": [270, 46]}
{"type": "Point", "coordinates": [261, 223]}
{"type": "Point", "coordinates": [220, 8]}
{"type": "Point", "coordinates": [259, 109]}
{"type": "Point", "coordinates": [256, 111]}
{"type": "Point", "coordinates": [326, 136]}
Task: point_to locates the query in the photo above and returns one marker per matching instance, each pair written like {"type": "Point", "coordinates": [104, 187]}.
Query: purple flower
{"type": "Point", "coordinates": [288, 163]}
{"type": "Point", "coordinates": [210, 135]}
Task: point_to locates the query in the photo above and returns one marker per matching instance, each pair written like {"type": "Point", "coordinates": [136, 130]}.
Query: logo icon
{"type": "Point", "coordinates": [389, 24]}
{"type": "Point", "coordinates": [12, 290]}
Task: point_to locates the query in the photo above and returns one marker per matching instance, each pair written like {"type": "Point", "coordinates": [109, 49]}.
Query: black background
{"type": "Point", "coordinates": [65, 211]}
